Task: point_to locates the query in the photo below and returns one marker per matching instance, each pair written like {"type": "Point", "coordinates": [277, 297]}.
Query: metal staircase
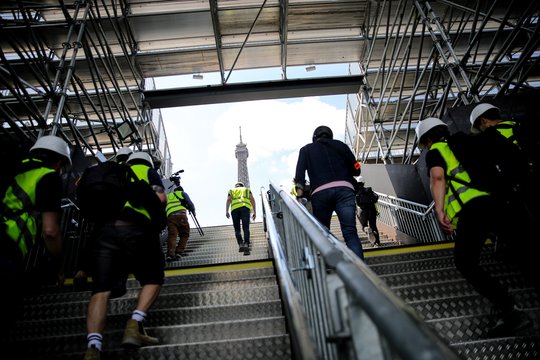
{"type": "Point", "coordinates": [205, 310]}
{"type": "Point", "coordinates": [426, 278]}
{"type": "Point", "coordinates": [218, 303]}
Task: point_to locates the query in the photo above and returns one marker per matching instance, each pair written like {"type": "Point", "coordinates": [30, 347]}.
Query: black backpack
{"type": "Point", "coordinates": [366, 197]}
{"type": "Point", "coordinates": [104, 189]}
{"type": "Point", "coordinates": [493, 163]}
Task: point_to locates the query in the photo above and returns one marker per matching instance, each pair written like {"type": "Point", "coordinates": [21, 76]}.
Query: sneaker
{"type": "Point", "coordinates": [173, 257]}
{"type": "Point", "coordinates": [247, 249]}
{"type": "Point", "coordinates": [242, 247]}
{"type": "Point", "coordinates": [509, 324]}
{"type": "Point", "coordinates": [92, 353]}
{"type": "Point", "coordinates": [367, 229]}
{"type": "Point", "coordinates": [371, 237]}
{"type": "Point", "coordinates": [135, 335]}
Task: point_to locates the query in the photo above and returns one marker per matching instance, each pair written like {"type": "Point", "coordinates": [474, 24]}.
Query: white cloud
{"type": "Point", "coordinates": [203, 139]}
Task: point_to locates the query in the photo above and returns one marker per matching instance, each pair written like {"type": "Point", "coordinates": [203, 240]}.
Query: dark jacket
{"type": "Point", "coordinates": [326, 160]}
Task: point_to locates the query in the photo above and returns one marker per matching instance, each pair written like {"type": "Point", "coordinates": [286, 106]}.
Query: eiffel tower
{"type": "Point", "coordinates": [242, 154]}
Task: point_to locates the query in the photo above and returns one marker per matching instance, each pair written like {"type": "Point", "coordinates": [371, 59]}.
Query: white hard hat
{"type": "Point", "coordinates": [424, 126]}
{"type": "Point", "coordinates": [239, 184]}
{"type": "Point", "coordinates": [125, 151]}
{"type": "Point", "coordinates": [141, 155]}
{"type": "Point", "coordinates": [477, 112]}
{"type": "Point", "coordinates": [54, 144]}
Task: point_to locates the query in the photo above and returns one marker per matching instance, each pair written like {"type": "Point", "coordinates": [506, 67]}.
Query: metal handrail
{"type": "Point", "coordinates": [413, 219]}
{"type": "Point", "coordinates": [75, 230]}
{"type": "Point", "coordinates": [302, 343]}
{"type": "Point", "coordinates": [428, 209]}
{"type": "Point", "coordinates": [351, 313]}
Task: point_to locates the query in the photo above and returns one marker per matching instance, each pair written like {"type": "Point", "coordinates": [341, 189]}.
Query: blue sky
{"type": "Point", "coordinates": [202, 140]}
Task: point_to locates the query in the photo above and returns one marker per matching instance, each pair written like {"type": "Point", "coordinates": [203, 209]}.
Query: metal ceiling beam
{"type": "Point", "coordinates": [283, 34]}
{"type": "Point", "coordinates": [252, 91]}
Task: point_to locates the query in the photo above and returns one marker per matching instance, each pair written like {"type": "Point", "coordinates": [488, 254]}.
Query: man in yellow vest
{"type": "Point", "coordinates": [32, 199]}
{"type": "Point", "coordinates": [242, 204]}
{"type": "Point", "coordinates": [125, 245]}
{"type": "Point", "coordinates": [505, 146]}
{"type": "Point", "coordinates": [178, 204]}
{"type": "Point", "coordinates": [475, 216]}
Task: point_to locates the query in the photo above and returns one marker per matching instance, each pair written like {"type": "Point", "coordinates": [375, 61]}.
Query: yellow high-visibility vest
{"type": "Point", "coordinates": [457, 193]}
{"type": "Point", "coordinates": [240, 197]}
{"type": "Point", "coordinates": [18, 205]}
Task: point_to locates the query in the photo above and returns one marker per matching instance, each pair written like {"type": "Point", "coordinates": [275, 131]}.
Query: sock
{"type": "Point", "coordinates": [138, 315]}
{"type": "Point", "coordinates": [95, 339]}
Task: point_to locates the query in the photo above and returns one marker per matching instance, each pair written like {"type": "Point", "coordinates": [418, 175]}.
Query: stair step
{"type": "Point", "coordinates": [263, 348]}
{"type": "Point", "coordinates": [160, 317]}
{"type": "Point", "coordinates": [474, 327]}
{"type": "Point", "coordinates": [167, 288]}
{"type": "Point", "coordinates": [222, 258]}
{"type": "Point", "coordinates": [177, 334]}
{"type": "Point", "coordinates": [429, 282]}
{"type": "Point", "coordinates": [405, 256]}
{"type": "Point", "coordinates": [469, 305]}
{"type": "Point", "coordinates": [523, 348]}
{"type": "Point", "coordinates": [125, 305]}
{"type": "Point", "coordinates": [439, 275]}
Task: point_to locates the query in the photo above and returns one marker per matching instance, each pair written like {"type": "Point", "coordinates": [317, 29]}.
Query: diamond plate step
{"type": "Point", "coordinates": [441, 275]}
{"type": "Point", "coordinates": [211, 314]}
{"type": "Point", "coordinates": [173, 300]}
{"type": "Point", "coordinates": [426, 264]}
{"type": "Point", "coordinates": [335, 229]}
{"type": "Point", "coordinates": [258, 270]}
{"type": "Point", "coordinates": [474, 327]}
{"type": "Point", "coordinates": [161, 317]}
{"type": "Point", "coordinates": [167, 288]}
{"type": "Point", "coordinates": [178, 334]}
{"type": "Point", "coordinates": [219, 246]}
{"type": "Point", "coordinates": [508, 348]}
{"type": "Point", "coordinates": [439, 290]}
{"type": "Point", "coordinates": [449, 307]}
{"type": "Point", "coordinates": [263, 348]}
{"type": "Point", "coordinates": [428, 281]}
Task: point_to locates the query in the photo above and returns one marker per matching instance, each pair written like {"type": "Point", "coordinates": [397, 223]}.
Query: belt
{"type": "Point", "coordinates": [179, 212]}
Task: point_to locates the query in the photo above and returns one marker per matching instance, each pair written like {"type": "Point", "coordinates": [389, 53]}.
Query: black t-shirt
{"type": "Point", "coordinates": [433, 159]}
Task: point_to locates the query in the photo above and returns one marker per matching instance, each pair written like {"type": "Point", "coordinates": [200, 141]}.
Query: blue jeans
{"type": "Point", "coordinates": [343, 201]}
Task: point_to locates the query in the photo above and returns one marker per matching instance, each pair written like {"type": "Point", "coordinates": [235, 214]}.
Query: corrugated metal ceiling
{"type": "Point", "coordinates": [185, 37]}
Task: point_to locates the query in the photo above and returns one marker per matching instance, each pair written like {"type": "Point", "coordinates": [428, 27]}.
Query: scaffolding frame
{"type": "Point", "coordinates": [424, 57]}
{"type": "Point", "coordinates": [86, 87]}
{"type": "Point", "coordinates": [80, 68]}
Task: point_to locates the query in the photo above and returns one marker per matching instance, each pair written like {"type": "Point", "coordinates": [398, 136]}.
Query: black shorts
{"type": "Point", "coordinates": [120, 250]}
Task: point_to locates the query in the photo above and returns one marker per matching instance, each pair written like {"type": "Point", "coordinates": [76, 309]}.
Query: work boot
{"type": "Point", "coordinates": [247, 250]}
{"type": "Point", "coordinates": [92, 353]}
{"type": "Point", "coordinates": [242, 247]}
{"type": "Point", "coordinates": [509, 323]}
{"type": "Point", "coordinates": [135, 335]}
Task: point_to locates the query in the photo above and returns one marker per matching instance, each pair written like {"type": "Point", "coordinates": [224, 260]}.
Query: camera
{"type": "Point", "coordinates": [175, 177]}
